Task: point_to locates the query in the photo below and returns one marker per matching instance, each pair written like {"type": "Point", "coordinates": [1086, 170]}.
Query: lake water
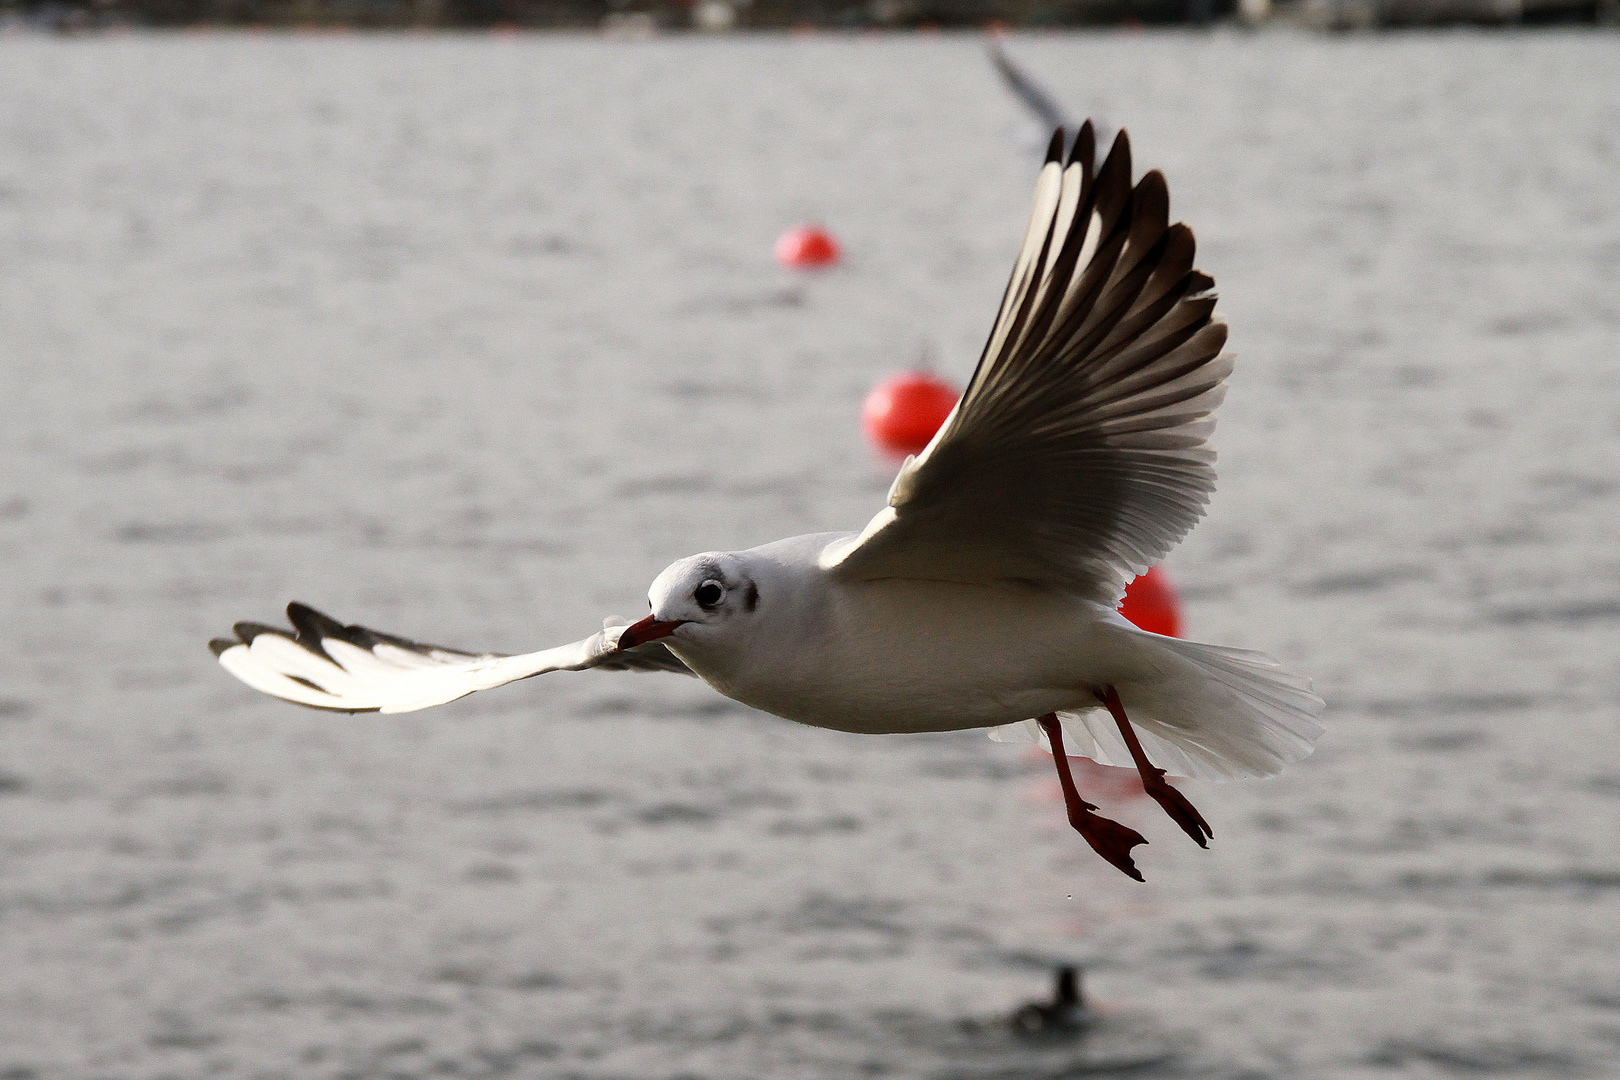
{"type": "Point", "coordinates": [466, 337]}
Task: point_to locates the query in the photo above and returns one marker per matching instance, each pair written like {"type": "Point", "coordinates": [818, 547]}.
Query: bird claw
{"type": "Point", "coordinates": [1181, 811]}
{"type": "Point", "coordinates": [1173, 802]}
{"type": "Point", "coordinates": [1109, 839]}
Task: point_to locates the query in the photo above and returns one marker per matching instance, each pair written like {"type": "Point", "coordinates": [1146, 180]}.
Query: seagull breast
{"type": "Point", "coordinates": [902, 654]}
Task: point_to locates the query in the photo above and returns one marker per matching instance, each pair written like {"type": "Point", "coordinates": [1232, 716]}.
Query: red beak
{"type": "Point", "coordinates": [648, 629]}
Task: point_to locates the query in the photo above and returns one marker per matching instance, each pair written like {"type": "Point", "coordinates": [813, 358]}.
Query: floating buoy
{"type": "Point", "coordinates": [902, 413]}
{"type": "Point", "coordinates": [806, 246]}
{"type": "Point", "coordinates": [1151, 604]}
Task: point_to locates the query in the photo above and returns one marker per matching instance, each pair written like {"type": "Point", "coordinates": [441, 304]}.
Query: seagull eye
{"type": "Point", "coordinates": [708, 594]}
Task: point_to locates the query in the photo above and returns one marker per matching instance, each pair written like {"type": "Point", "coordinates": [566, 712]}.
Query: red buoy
{"type": "Point", "coordinates": [806, 246]}
{"type": "Point", "coordinates": [1151, 604]}
{"type": "Point", "coordinates": [902, 413]}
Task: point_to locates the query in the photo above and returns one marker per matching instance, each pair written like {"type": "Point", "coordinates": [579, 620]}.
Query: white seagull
{"type": "Point", "coordinates": [984, 593]}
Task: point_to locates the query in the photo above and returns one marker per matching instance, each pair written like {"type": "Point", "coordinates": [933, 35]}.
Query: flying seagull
{"type": "Point", "coordinates": [984, 593]}
{"type": "Point", "coordinates": [1043, 109]}
{"type": "Point", "coordinates": [1046, 111]}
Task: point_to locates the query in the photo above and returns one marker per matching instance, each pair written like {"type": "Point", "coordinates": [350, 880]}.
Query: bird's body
{"type": "Point", "coordinates": [900, 654]}
{"type": "Point", "coordinates": [983, 594]}
{"type": "Point", "coordinates": [890, 655]}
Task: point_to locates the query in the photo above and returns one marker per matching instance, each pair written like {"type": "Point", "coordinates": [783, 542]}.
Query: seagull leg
{"type": "Point", "coordinates": [1107, 838]}
{"type": "Point", "coordinates": [1175, 804]}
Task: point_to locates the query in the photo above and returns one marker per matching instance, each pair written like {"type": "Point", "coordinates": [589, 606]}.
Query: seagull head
{"type": "Point", "coordinates": [701, 596]}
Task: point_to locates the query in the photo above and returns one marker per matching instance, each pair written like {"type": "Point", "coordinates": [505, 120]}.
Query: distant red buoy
{"type": "Point", "coordinates": [1151, 604]}
{"type": "Point", "coordinates": [806, 246]}
{"type": "Point", "coordinates": [902, 413]}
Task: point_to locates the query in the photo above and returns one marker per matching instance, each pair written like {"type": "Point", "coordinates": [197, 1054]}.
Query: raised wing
{"type": "Point", "coordinates": [1076, 458]}
{"type": "Point", "coordinates": [326, 665]}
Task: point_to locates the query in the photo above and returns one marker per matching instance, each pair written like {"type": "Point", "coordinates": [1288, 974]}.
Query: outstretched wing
{"type": "Point", "coordinates": [326, 665]}
{"type": "Point", "coordinates": [1076, 457]}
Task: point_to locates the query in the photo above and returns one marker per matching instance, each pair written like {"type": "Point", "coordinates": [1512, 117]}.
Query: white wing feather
{"type": "Point", "coordinates": [326, 665]}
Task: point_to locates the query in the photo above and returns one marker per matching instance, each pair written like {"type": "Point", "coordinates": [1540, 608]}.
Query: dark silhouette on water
{"type": "Point", "coordinates": [1065, 1014]}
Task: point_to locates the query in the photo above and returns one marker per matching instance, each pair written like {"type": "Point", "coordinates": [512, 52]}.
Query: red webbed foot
{"type": "Point", "coordinates": [1107, 837]}
{"type": "Point", "coordinates": [1181, 811]}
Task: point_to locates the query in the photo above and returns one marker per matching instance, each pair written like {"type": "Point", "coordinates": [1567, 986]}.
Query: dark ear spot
{"type": "Point", "coordinates": [751, 597]}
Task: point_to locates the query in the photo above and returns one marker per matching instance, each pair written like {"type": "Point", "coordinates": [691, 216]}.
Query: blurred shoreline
{"type": "Point", "coordinates": [633, 19]}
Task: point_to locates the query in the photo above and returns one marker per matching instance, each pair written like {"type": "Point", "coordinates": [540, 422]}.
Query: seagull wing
{"type": "Point", "coordinates": [1025, 89]}
{"type": "Point", "coordinates": [325, 665]}
{"type": "Point", "coordinates": [1076, 457]}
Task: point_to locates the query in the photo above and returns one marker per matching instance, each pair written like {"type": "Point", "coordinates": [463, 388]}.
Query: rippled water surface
{"type": "Point", "coordinates": [466, 338]}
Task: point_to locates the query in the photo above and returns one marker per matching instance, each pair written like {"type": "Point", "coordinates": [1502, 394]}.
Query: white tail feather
{"type": "Point", "coordinates": [1207, 712]}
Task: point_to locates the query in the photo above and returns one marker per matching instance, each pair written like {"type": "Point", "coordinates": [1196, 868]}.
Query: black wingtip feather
{"type": "Point", "coordinates": [220, 644]}
{"type": "Point", "coordinates": [1084, 147]}
{"type": "Point", "coordinates": [1113, 189]}
{"type": "Point", "coordinates": [1054, 149]}
{"type": "Point", "coordinates": [312, 622]}
{"type": "Point", "coordinates": [247, 631]}
{"type": "Point", "coordinates": [313, 627]}
{"type": "Point", "coordinates": [1153, 199]}
{"type": "Point", "coordinates": [1180, 246]}
{"type": "Point", "coordinates": [1119, 156]}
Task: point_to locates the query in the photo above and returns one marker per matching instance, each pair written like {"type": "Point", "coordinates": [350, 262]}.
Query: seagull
{"type": "Point", "coordinates": [1042, 107]}
{"type": "Point", "coordinates": [1046, 111]}
{"type": "Point", "coordinates": [1065, 1014]}
{"type": "Point", "coordinates": [984, 594]}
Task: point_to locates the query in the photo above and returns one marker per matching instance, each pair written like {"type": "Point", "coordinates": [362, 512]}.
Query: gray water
{"type": "Point", "coordinates": [466, 337]}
